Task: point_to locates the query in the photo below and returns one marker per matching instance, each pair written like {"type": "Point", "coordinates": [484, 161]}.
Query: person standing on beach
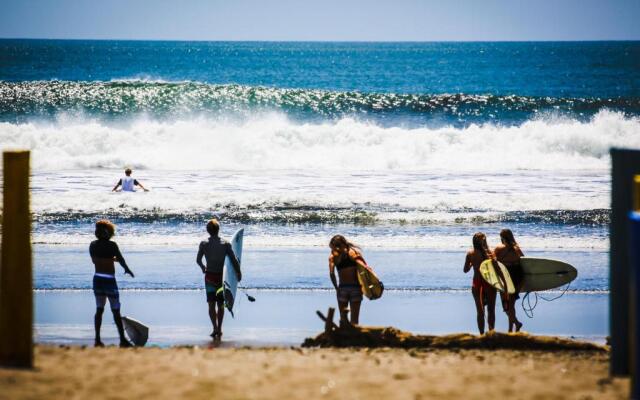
{"type": "Point", "coordinates": [483, 293]}
{"type": "Point", "coordinates": [509, 254]}
{"type": "Point", "coordinates": [215, 250]}
{"type": "Point", "coordinates": [103, 253]}
{"type": "Point", "coordinates": [345, 257]}
{"type": "Point", "coordinates": [128, 183]}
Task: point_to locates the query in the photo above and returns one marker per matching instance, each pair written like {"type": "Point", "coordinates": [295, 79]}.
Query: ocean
{"type": "Point", "coordinates": [407, 149]}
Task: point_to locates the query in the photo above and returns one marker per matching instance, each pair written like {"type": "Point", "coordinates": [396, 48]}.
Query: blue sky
{"type": "Point", "coordinates": [343, 20]}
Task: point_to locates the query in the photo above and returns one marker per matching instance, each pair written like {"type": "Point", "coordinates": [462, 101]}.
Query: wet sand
{"type": "Point", "coordinates": [293, 373]}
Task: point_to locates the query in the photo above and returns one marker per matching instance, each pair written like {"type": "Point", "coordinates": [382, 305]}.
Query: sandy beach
{"type": "Point", "coordinates": [293, 373]}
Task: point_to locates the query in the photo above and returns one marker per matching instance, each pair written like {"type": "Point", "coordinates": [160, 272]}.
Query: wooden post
{"type": "Point", "coordinates": [328, 324]}
{"type": "Point", "coordinates": [16, 291]}
{"type": "Point", "coordinates": [625, 164]}
{"type": "Point", "coordinates": [634, 308]}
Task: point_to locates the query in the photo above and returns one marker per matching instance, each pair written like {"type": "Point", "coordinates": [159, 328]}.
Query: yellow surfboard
{"type": "Point", "coordinates": [489, 274]}
{"type": "Point", "coordinates": [371, 286]}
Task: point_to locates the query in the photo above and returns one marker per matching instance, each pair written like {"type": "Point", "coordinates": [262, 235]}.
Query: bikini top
{"type": "Point", "coordinates": [345, 261]}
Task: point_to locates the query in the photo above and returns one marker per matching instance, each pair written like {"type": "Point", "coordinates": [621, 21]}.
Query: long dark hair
{"type": "Point", "coordinates": [340, 242]}
{"type": "Point", "coordinates": [480, 245]}
{"type": "Point", "coordinates": [507, 237]}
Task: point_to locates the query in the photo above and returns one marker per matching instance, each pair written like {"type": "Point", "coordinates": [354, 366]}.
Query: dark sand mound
{"type": "Point", "coordinates": [348, 335]}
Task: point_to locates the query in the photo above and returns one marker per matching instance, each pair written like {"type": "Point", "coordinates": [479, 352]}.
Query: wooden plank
{"type": "Point", "coordinates": [16, 291]}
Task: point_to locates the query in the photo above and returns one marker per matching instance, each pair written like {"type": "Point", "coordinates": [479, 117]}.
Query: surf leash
{"type": "Point", "coordinates": [249, 297]}
{"type": "Point", "coordinates": [528, 310]}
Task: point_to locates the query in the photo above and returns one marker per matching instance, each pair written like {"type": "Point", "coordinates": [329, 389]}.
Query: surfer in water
{"type": "Point", "coordinates": [104, 253]}
{"type": "Point", "coordinates": [215, 250]}
{"type": "Point", "coordinates": [483, 293]}
{"type": "Point", "coordinates": [345, 257]}
{"type": "Point", "coordinates": [128, 183]}
{"type": "Point", "coordinates": [509, 254]}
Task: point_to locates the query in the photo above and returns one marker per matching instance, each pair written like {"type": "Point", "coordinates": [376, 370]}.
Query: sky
{"type": "Point", "coordinates": [322, 20]}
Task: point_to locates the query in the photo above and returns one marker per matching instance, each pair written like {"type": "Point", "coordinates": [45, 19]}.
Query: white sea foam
{"type": "Point", "coordinates": [272, 141]}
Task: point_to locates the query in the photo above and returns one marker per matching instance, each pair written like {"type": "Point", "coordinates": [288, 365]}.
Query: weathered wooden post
{"type": "Point", "coordinates": [634, 320]}
{"type": "Point", "coordinates": [16, 291]}
{"type": "Point", "coordinates": [625, 164]}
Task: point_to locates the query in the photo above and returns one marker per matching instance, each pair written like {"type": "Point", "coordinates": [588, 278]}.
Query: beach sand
{"type": "Point", "coordinates": [294, 373]}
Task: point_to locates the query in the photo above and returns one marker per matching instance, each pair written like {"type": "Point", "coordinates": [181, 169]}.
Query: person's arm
{"type": "Point", "coordinates": [136, 182]}
{"type": "Point", "coordinates": [199, 258]}
{"type": "Point", "coordinates": [234, 261]}
{"type": "Point", "coordinates": [117, 185]}
{"type": "Point", "coordinates": [357, 257]}
{"type": "Point", "coordinates": [519, 252]}
{"type": "Point", "coordinates": [467, 263]}
{"type": "Point", "coordinates": [118, 257]}
{"type": "Point", "coordinates": [332, 272]}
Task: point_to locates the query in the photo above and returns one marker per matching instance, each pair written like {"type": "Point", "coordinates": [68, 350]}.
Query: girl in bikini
{"type": "Point", "coordinates": [483, 293]}
{"type": "Point", "coordinates": [509, 254]}
{"type": "Point", "coordinates": [345, 257]}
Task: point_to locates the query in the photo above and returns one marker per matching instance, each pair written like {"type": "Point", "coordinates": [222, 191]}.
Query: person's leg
{"type": "Point", "coordinates": [117, 318]}
{"type": "Point", "coordinates": [101, 301]}
{"type": "Point", "coordinates": [97, 322]}
{"type": "Point", "coordinates": [213, 317]}
{"type": "Point", "coordinates": [479, 309]}
{"type": "Point", "coordinates": [517, 324]}
{"type": "Point", "coordinates": [220, 316]}
{"type": "Point", "coordinates": [491, 308]}
{"type": "Point", "coordinates": [343, 307]}
{"type": "Point", "coordinates": [355, 311]}
{"type": "Point", "coordinates": [114, 303]}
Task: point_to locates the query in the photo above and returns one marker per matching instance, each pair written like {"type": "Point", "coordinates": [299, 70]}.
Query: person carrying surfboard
{"type": "Point", "coordinates": [345, 257]}
{"type": "Point", "coordinates": [483, 293]}
{"type": "Point", "coordinates": [103, 253]}
{"type": "Point", "coordinates": [509, 253]}
{"type": "Point", "coordinates": [215, 250]}
{"type": "Point", "coordinates": [128, 183]}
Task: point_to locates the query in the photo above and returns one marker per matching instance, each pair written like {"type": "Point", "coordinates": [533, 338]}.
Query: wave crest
{"type": "Point", "coordinates": [23, 100]}
{"type": "Point", "coordinates": [275, 142]}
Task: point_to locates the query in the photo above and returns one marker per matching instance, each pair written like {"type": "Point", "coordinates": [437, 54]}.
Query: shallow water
{"type": "Point", "coordinates": [286, 317]}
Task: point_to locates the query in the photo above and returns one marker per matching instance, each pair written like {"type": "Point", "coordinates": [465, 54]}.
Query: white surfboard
{"type": "Point", "coordinates": [544, 274]}
{"type": "Point", "coordinates": [229, 277]}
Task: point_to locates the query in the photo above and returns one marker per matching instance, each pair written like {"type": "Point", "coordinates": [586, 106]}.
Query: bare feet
{"type": "Point", "coordinates": [125, 344]}
{"type": "Point", "coordinates": [98, 343]}
{"type": "Point", "coordinates": [518, 326]}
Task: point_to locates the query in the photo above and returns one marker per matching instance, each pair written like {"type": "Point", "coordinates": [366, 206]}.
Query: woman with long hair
{"type": "Point", "coordinates": [509, 254]}
{"type": "Point", "coordinates": [483, 293]}
{"type": "Point", "coordinates": [345, 257]}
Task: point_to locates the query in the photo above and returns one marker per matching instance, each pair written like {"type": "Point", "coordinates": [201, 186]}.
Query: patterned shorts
{"type": "Point", "coordinates": [347, 293]}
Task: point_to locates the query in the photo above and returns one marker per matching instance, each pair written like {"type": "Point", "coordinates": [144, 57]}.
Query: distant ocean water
{"type": "Point", "coordinates": [406, 148]}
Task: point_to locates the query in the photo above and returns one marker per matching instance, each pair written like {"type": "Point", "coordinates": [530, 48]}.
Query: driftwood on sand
{"type": "Point", "coordinates": [347, 335]}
